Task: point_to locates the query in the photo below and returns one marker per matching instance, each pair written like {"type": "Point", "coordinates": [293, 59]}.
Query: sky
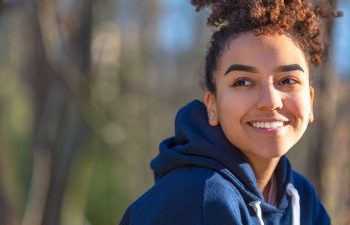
{"type": "Point", "coordinates": [341, 38]}
{"type": "Point", "coordinates": [176, 33]}
{"type": "Point", "coordinates": [175, 28]}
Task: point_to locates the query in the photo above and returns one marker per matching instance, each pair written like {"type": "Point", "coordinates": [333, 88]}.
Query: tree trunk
{"type": "Point", "coordinates": [60, 83]}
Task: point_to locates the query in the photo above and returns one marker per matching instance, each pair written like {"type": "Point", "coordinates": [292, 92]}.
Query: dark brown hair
{"type": "Point", "coordinates": [298, 19]}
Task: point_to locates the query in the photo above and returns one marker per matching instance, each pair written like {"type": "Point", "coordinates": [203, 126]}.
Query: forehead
{"type": "Point", "coordinates": [264, 52]}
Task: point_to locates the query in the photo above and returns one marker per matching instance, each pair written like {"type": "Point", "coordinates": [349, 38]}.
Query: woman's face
{"type": "Point", "coordinates": [263, 99]}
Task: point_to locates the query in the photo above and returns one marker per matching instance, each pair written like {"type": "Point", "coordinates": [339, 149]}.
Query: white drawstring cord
{"type": "Point", "coordinates": [293, 193]}
{"type": "Point", "coordinates": [257, 209]}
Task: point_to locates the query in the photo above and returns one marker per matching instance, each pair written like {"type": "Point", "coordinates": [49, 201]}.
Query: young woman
{"type": "Point", "coordinates": [226, 164]}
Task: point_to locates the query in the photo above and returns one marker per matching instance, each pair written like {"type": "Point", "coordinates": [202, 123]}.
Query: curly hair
{"type": "Point", "coordinates": [298, 19]}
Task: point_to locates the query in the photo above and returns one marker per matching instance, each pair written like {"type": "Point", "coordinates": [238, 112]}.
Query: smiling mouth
{"type": "Point", "coordinates": [268, 125]}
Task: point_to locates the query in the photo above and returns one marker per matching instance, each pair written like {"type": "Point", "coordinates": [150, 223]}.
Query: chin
{"type": "Point", "coordinates": [276, 153]}
{"type": "Point", "coordinates": [272, 152]}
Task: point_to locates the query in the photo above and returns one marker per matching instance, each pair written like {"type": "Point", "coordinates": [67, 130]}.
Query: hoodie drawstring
{"type": "Point", "coordinates": [257, 209]}
{"type": "Point", "coordinates": [293, 193]}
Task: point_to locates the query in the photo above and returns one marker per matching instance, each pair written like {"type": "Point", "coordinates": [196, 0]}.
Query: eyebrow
{"type": "Point", "coordinates": [250, 69]}
{"type": "Point", "coordinates": [239, 67]}
{"type": "Point", "coordinates": [288, 68]}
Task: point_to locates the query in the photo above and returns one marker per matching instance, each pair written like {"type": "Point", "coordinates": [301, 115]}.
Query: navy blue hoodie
{"type": "Point", "coordinates": [202, 179]}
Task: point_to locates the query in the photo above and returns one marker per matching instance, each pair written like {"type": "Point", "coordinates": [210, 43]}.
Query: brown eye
{"type": "Point", "coordinates": [288, 81]}
{"type": "Point", "coordinates": [242, 82]}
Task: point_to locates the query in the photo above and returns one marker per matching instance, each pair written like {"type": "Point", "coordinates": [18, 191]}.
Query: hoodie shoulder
{"type": "Point", "coordinates": [175, 199]}
{"type": "Point", "coordinates": [222, 203]}
{"type": "Point", "coordinates": [310, 203]}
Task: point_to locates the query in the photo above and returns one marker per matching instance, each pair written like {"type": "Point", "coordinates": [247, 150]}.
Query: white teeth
{"type": "Point", "coordinates": [268, 125]}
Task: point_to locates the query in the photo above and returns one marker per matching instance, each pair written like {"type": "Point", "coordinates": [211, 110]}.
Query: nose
{"type": "Point", "coordinates": [270, 98]}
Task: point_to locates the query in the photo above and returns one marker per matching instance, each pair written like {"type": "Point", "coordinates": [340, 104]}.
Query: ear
{"type": "Point", "coordinates": [312, 96]}
{"type": "Point", "coordinates": [210, 102]}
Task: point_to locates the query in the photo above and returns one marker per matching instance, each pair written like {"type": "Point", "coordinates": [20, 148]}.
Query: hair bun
{"type": "Point", "coordinates": [235, 10]}
{"type": "Point", "coordinates": [221, 9]}
{"type": "Point", "coordinates": [255, 11]}
{"type": "Point", "coordinates": [258, 11]}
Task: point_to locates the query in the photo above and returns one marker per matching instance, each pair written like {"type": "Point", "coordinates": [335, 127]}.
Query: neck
{"type": "Point", "coordinates": [263, 170]}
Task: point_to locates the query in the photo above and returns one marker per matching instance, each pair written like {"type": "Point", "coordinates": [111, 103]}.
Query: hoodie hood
{"type": "Point", "coordinates": [197, 143]}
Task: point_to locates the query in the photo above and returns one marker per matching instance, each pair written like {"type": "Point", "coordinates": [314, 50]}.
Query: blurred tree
{"type": "Point", "coordinates": [58, 66]}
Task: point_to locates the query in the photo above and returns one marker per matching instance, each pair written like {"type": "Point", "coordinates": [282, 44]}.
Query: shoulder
{"type": "Point", "coordinates": [222, 202]}
{"type": "Point", "coordinates": [188, 195]}
{"type": "Point", "coordinates": [310, 203]}
{"type": "Point", "coordinates": [219, 189]}
{"type": "Point", "coordinates": [191, 182]}
{"type": "Point", "coordinates": [175, 199]}
{"type": "Point", "coordinates": [180, 185]}
{"type": "Point", "coordinates": [302, 184]}
{"type": "Point", "coordinates": [307, 192]}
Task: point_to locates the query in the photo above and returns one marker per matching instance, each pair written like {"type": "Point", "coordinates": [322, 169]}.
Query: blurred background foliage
{"type": "Point", "coordinates": [89, 88]}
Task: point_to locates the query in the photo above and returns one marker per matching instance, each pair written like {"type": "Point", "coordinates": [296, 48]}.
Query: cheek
{"type": "Point", "coordinates": [299, 105]}
{"type": "Point", "coordinates": [232, 106]}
